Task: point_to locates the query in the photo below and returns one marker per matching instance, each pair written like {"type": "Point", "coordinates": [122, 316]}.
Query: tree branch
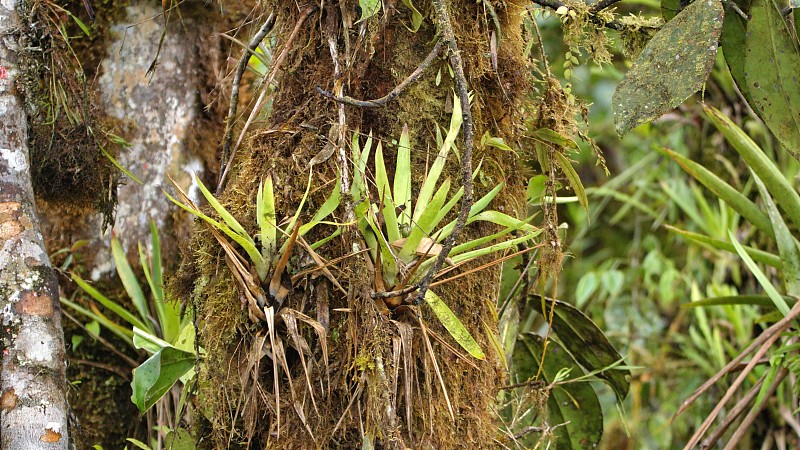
{"type": "Point", "coordinates": [378, 102]}
{"type": "Point", "coordinates": [448, 38]}
{"type": "Point", "coordinates": [33, 378]}
{"type": "Point", "coordinates": [555, 4]}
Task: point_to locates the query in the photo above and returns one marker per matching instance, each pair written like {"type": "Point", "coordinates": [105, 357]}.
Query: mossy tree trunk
{"type": "Point", "coordinates": [386, 380]}
{"type": "Point", "coordinates": [32, 378]}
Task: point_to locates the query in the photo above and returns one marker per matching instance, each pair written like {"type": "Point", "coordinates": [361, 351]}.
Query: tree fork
{"type": "Point", "coordinates": [33, 378]}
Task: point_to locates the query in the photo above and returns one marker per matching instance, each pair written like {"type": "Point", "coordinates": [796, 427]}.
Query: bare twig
{"type": "Point", "coordinates": [378, 102]}
{"type": "Point", "coordinates": [276, 64]}
{"type": "Point", "coordinates": [774, 333]}
{"type": "Point", "coordinates": [734, 413]}
{"type": "Point", "coordinates": [237, 80]}
{"type": "Point", "coordinates": [601, 5]}
{"type": "Point", "coordinates": [766, 335]}
{"type": "Point", "coordinates": [103, 366]}
{"type": "Point", "coordinates": [390, 294]}
{"type": "Point", "coordinates": [100, 339]}
{"type": "Point", "coordinates": [449, 39]}
{"type": "Point", "coordinates": [744, 427]}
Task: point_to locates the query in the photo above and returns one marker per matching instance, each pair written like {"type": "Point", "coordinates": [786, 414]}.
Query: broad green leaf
{"type": "Point", "coordinates": [590, 347]}
{"type": "Point", "coordinates": [771, 72]}
{"type": "Point", "coordinates": [453, 325]}
{"type": "Point", "coordinates": [113, 306]}
{"type": "Point", "coordinates": [368, 8]}
{"type": "Point", "coordinates": [785, 196]}
{"type": "Point", "coordinates": [574, 179]}
{"type": "Point", "coordinates": [402, 177]}
{"type": "Point", "coordinates": [787, 244]}
{"type": "Point", "coordinates": [763, 280]}
{"type": "Point", "coordinates": [587, 286]}
{"type": "Point", "coordinates": [669, 9]}
{"type": "Point", "coordinates": [757, 255]}
{"type": "Point", "coordinates": [574, 407]}
{"type": "Point", "coordinates": [673, 66]}
{"type": "Point", "coordinates": [416, 16]}
{"type": "Point", "coordinates": [266, 217]}
{"type": "Point", "coordinates": [145, 340]}
{"type": "Point", "coordinates": [724, 191]}
{"type": "Point", "coordinates": [155, 377]}
{"type": "Point", "coordinates": [179, 439]}
{"type": "Point", "coordinates": [732, 40]}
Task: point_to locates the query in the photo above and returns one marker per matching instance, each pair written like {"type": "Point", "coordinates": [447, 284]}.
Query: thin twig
{"type": "Point", "coordinates": [555, 4]}
{"type": "Point", "coordinates": [103, 366]}
{"type": "Point", "coordinates": [775, 335]}
{"type": "Point", "coordinates": [276, 64]}
{"type": "Point", "coordinates": [766, 335]}
{"type": "Point", "coordinates": [744, 427]}
{"type": "Point", "coordinates": [449, 39]}
{"type": "Point", "coordinates": [100, 339]}
{"type": "Point", "coordinates": [237, 80]}
{"type": "Point", "coordinates": [734, 413]}
{"type": "Point", "coordinates": [379, 102]}
{"type": "Point", "coordinates": [601, 5]}
{"type": "Point", "coordinates": [390, 294]}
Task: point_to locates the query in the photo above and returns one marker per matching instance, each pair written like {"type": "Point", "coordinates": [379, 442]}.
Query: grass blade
{"type": "Point", "coordinates": [780, 303]}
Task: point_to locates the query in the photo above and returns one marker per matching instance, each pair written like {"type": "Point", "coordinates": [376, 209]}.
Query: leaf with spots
{"type": "Point", "coordinates": [572, 407]}
{"type": "Point", "coordinates": [673, 66]}
{"type": "Point", "coordinates": [771, 73]}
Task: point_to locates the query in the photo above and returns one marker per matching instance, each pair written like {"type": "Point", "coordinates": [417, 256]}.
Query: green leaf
{"type": "Point", "coordinates": [555, 138]}
{"type": "Point", "coordinates": [385, 197]}
{"type": "Point", "coordinates": [453, 325]}
{"type": "Point", "coordinates": [758, 255]}
{"type": "Point", "coordinates": [155, 377]}
{"type": "Point", "coordinates": [119, 166]}
{"type": "Point", "coordinates": [124, 333]}
{"type": "Point", "coordinates": [590, 347]}
{"type": "Point", "coordinates": [402, 177]}
{"type": "Point", "coordinates": [669, 9]}
{"type": "Point", "coordinates": [266, 217]}
{"type": "Point", "coordinates": [424, 226]}
{"type": "Point", "coordinates": [572, 406]}
{"type": "Point", "coordinates": [326, 209]}
{"type": "Point", "coordinates": [587, 286]}
{"type": "Point", "coordinates": [179, 439]}
{"type": "Point", "coordinates": [574, 179]}
{"type": "Point", "coordinates": [138, 444]}
{"type": "Point", "coordinates": [113, 306]}
{"type": "Point", "coordinates": [129, 281]}
{"type": "Point", "coordinates": [416, 16]}
{"type": "Point", "coordinates": [223, 213]}
{"type": "Point", "coordinates": [368, 8]}
{"type": "Point", "coordinates": [785, 196]}
{"type": "Point", "coordinates": [765, 283]}
{"type": "Point", "coordinates": [770, 70]}
{"type": "Point", "coordinates": [673, 66]}
{"type": "Point", "coordinates": [724, 191]}
{"type": "Point", "coordinates": [787, 244]}
{"type": "Point", "coordinates": [732, 40]}
{"type": "Point", "coordinates": [757, 300]}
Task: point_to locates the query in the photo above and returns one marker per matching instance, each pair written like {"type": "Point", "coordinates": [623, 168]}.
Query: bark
{"type": "Point", "coordinates": [33, 381]}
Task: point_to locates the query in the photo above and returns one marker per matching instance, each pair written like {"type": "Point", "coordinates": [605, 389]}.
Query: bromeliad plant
{"type": "Point", "coordinates": [263, 279]}
{"type": "Point", "coordinates": [155, 326]}
{"type": "Point", "coordinates": [404, 233]}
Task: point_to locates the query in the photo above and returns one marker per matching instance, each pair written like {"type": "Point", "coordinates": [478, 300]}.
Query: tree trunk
{"type": "Point", "coordinates": [362, 396]}
{"type": "Point", "coordinates": [33, 381]}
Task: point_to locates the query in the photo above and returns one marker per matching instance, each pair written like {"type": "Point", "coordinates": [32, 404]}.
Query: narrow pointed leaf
{"type": "Point", "coordinates": [453, 325]}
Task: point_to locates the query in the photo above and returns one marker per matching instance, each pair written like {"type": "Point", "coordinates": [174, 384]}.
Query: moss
{"type": "Point", "coordinates": [358, 387]}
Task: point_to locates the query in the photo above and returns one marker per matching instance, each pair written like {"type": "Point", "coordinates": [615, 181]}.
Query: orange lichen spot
{"type": "Point", "coordinates": [52, 433]}
{"type": "Point", "coordinates": [8, 400]}
{"type": "Point", "coordinates": [35, 304]}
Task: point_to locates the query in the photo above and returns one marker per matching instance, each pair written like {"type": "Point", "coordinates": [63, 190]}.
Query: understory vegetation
{"type": "Point", "coordinates": [445, 224]}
